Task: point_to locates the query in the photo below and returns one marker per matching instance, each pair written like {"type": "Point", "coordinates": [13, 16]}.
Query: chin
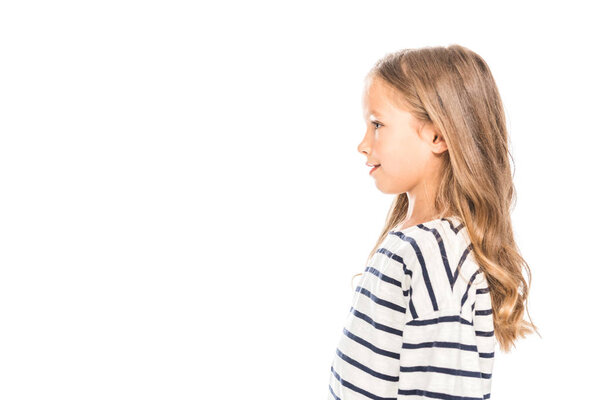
{"type": "Point", "coordinates": [389, 190]}
{"type": "Point", "coordinates": [385, 189]}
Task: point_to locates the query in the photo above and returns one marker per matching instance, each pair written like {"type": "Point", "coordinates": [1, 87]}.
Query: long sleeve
{"type": "Point", "coordinates": [367, 359]}
{"type": "Point", "coordinates": [420, 325]}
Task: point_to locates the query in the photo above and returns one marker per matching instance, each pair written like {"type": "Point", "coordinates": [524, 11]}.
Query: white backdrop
{"type": "Point", "coordinates": [182, 202]}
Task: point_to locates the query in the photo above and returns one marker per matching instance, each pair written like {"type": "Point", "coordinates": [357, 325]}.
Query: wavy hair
{"type": "Point", "coordinates": [452, 87]}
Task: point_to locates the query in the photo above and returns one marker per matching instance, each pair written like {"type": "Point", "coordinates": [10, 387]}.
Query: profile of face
{"type": "Point", "coordinates": [406, 150]}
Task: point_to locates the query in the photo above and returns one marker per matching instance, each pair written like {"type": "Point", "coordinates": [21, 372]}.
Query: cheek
{"type": "Point", "coordinates": [396, 156]}
{"type": "Point", "coordinates": [402, 160]}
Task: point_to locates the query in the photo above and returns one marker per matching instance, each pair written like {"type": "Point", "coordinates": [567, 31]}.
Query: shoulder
{"type": "Point", "coordinates": [438, 240]}
{"type": "Point", "coordinates": [438, 258]}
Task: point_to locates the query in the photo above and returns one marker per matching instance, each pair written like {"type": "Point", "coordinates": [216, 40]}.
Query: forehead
{"type": "Point", "coordinates": [379, 99]}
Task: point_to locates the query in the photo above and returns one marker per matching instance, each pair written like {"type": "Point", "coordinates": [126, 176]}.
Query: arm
{"type": "Point", "coordinates": [439, 358]}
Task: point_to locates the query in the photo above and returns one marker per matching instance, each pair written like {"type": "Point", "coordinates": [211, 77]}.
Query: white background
{"type": "Point", "coordinates": [182, 202]}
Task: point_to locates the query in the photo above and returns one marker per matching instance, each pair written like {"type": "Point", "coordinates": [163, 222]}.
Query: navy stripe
{"type": "Point", "coordinates": [436, 395]}
{"type": "Point", "coordinates": [458, 228]}
{"type": "Point", "coordinates": [370, 346]}
{"type": "Point", "coordinates": [484, 333]}
{"type": "Point", "coordinates": [368, 370]}
{"type": "Point", "coordinates": [443, 254]}
{"type": "Point", "coordinates": [482, 290]}
{"type": "Point", "coordinates": [483, 312]}
{"type": "Point", "coordinates": [460, 263]}
{"type": "Point", "coordinates": [396, 258]}
{"type": "Point", "coordinates": [411, 305]}
{"type": "Point", "coordinates": [450, 345]}
{"type": "Point", "coordinates": [464, 298]}
{"type": "Point", "coordinates": [384, 277]}
{"type": "Point", "coordinates": [486, 355]}
{"type": "Point", "coordinates": [441, 370]}
{"type": "Point", "coordinates": [357, 389]}
{"type": "Point", "coordinates": [376, 325]}
{"type": "Point", "coordinates": [426, 279]}
{"type": "Point", "coordinates": [333, 393]}
{"type": "Point", "coordinates": [445, 318]}
{"type": "Point", "coordinates": [379, 301]}
{"type": "Point", "coordinates": [387, 279]}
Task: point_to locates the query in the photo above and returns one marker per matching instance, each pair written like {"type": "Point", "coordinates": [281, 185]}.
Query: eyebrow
{"type": "Point", "coordinates": [375, 113]}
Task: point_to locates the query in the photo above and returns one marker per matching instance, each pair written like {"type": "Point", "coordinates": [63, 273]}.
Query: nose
{"type": "Point", "coordinates": [363, 146]}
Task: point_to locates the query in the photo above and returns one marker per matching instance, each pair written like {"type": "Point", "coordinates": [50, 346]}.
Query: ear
{"type": "Point", "coordinates": [432, 135]}
{"type": "Point", "coordinates": [436, 140]}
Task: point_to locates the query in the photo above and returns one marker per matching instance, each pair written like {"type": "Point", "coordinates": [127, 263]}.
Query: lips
{"type": "Point", "coordinates": [374, 167]}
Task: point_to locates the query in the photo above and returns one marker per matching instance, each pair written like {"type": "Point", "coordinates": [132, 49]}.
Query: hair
{"type": "Point", "coordinates": [453, 89]}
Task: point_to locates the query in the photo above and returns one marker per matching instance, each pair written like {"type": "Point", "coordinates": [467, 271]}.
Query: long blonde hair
{"type": "Point", "coordinates": [453, 88]}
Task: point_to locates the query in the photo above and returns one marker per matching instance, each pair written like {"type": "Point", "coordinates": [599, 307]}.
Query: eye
{"type": "Point", "coordinates": [377, 124]}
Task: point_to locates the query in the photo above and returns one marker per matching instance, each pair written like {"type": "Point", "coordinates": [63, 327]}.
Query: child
{"type": "Point", "coordinates": [443, 285]}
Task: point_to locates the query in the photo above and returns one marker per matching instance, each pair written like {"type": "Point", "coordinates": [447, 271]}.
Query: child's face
{"type": "Point", "coordinates": [408, 160]}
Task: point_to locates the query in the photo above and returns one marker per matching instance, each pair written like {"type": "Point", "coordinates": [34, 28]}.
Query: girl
{"type": "Point", "coordinates": [443, 284]}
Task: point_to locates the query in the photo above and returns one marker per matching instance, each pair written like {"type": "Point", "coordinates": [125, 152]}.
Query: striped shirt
{"type": "Point", "coordinates": [421, 323]}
